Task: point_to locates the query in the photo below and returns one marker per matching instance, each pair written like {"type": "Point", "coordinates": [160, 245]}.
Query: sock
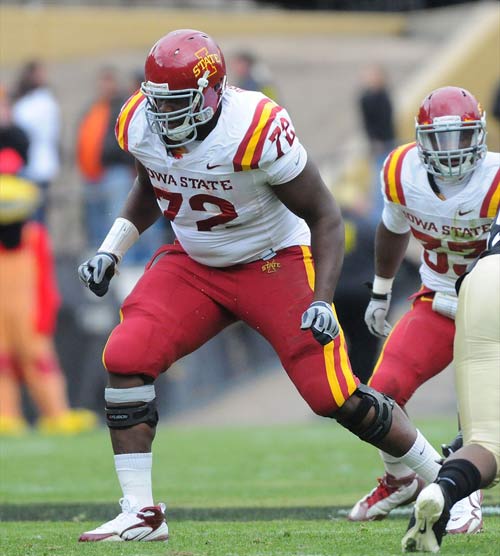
{"type": "Point", "coordinates": [458, 478]}
{"type": "Point", "coordinates": [134, 474]}
{"type": "Point", "coordinates": [395, 466]}
{"type": "Point", "coordinates": [423, 459]}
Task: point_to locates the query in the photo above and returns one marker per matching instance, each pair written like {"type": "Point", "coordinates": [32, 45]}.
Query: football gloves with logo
{"type": "Point", "coordinates": [321, 319]}
{"type": "Point", "coordinates": [376, 313]}
{"type": "Point", "coordinates": [96, 273]}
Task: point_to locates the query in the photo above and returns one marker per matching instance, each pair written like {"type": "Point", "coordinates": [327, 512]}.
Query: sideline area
{"type": "Point", "coordinates": [99, 512]}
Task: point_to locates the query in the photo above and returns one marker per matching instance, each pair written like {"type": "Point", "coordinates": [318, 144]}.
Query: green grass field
{"type": "Point", "coordinates": [266, 491]}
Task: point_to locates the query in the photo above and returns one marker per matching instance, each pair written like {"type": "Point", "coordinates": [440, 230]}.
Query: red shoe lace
{"type": "Point", "coordinates": [382, 491]}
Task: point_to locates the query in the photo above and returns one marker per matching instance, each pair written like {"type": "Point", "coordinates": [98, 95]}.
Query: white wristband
{"type": "Point", "coordinates": [122, 235]}
{"type": "Point", "coordinates": [382, 285]}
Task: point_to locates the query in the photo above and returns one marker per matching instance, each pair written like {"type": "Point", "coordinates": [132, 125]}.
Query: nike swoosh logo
{"type": "Point", "coordinates": [212, 166]}
{"type": "Point", "coordinates": [460, 213]}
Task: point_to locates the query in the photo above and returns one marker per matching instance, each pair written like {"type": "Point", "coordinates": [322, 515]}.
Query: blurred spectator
{"type": "Point", "coordinates": [106, 168]}
{"type": "Point", "coordinates": [28, 318]}
{"type": "Point", "coordinates": [37, 112]}
{"type": "Point", "coordinates": [251, 74]}
{"type": "Point", "coordinates": [375, 106]}
{"type": "Point", "coordinates": [136, 79]}
{"type": "Point", "coordinates": [14, 142]}
{"type": "Point", "coordinates": [496, 102]}
{"type": "Point", "coordinates": [352, 294]}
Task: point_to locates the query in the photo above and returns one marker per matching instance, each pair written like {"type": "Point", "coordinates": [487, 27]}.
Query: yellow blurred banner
{"type": "Point", "coordinates": [61, 33]}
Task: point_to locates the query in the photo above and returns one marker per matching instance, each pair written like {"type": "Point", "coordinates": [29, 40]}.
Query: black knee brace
{"type": "Point", "coordinates": [380, 425]}
{"type": "Point", "coordinates": [125, 416]}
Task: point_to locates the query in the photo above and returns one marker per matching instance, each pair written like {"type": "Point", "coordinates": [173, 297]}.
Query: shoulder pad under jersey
{"type": "Point", "coordinates": [125, 117]}
{"type": "Point", "coordinates": [392, 173]}
{"type": "Point", "coordinates": [491, 201]}
{"type": "Point", "coordinates": [250, 148]}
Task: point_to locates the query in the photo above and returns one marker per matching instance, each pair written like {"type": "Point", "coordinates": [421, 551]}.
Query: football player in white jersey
{"type": "Point", "coordinates": [259, 239]}
{"type": "Point", "coordinates": [444, 190]}
{"type": "Point", "coordinates": [477, 364]}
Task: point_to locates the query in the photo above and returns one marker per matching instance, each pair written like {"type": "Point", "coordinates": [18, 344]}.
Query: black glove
{"type": "Point", "coordinates": [96, 273]}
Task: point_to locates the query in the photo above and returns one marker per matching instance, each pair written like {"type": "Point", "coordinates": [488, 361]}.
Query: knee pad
{"type": "Point", "coordinates": [138, 344]}
{"type": "Point", "coordinates": [380, 424]}
{"type": "Point", "coordinates": [136, 405]}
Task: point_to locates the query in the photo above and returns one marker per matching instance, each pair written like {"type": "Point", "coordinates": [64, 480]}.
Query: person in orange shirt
{"type": "Point", "coordinates": [106, 168]}
{"type": "Point", "coordinates": [29, 301]}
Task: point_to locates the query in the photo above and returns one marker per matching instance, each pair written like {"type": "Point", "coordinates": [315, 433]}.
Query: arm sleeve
{"type": "Point", "coordinates": [394, 219]}
{"type": "Point", "coordinates": [123, 125]}
{"type": "Point", "coordinates": [392, 215]}
{"type": "Point", "coordinates": [283, 157]}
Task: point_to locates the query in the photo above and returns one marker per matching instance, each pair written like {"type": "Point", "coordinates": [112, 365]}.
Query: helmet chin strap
{"type": "Point", "coordinates": [453, 180]}
{"type": "Point", "coordinates": [180, 132]}
{"type": "Point", "coordinates": [464, 169]}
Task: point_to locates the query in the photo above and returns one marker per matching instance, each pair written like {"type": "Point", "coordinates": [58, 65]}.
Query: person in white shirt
{"type": "Point", "coordinates": [37, 112]}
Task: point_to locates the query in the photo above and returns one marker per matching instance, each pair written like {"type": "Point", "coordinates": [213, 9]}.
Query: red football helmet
{"type": "Point", "coordinates": [185, 77]}
{"type": "Point", "coordinates": [451, 132]}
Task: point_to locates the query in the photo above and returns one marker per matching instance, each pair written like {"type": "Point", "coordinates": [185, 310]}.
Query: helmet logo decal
{"type": "Point", "coordinates": [206, 62]}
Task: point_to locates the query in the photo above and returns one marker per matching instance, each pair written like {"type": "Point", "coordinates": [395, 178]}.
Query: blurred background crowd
{"type": "Point", "coordinates": [351, 74]}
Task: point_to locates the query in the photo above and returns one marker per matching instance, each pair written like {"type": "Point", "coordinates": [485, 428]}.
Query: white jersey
{"type": "Point", "coordinates": [451, 231]}
{"type": "Point", "coordinates": [218, 192]}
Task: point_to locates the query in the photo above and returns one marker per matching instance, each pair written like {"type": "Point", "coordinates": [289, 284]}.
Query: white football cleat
{"type": "Point", "coordinates": [387, 495]}
{"type": "Point", "coordinates": [466, 516]}
{"type": "Point", "coordinates": [428, 522]}
{"type": "Point", "coordinates": [147, 524]}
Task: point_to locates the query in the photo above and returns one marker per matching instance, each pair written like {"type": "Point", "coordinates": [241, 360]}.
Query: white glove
{"type": "Point", "coordinates": [376, 313]}
{"type": "Point", "coordinates": [320, 318]}
{"type": "Point", "coordinates": [96, 273]}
